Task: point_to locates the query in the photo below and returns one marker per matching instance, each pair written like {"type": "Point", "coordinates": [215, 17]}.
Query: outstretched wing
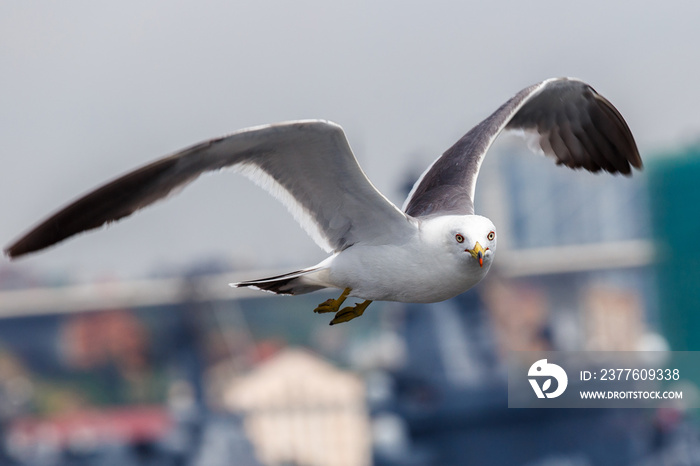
{"type": "Point", "coordinates": [308, 165]}
{"type": "Point", "coordinates": [570, 122]}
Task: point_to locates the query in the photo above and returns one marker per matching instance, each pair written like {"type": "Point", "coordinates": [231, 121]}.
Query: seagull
{"type": "Point", "coordinates": [430, 250]}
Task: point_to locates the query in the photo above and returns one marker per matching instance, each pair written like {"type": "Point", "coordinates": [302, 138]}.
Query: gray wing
{"type": "Point", "coordinates": [569, 120]}
{"type": "Point", "coordinates": [308, 165]}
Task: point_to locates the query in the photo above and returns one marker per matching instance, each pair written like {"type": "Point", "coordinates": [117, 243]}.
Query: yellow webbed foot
{"type": "Point", "coordinates": [332, 305]}
{"type": "Point", "coordinates": [346, 314]}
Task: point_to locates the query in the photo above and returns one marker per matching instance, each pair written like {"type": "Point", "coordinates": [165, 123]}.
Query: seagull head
{"type": "Point", "coordinates": [471, 237]}
{"type": "Point", "coordinates": [476, 236]}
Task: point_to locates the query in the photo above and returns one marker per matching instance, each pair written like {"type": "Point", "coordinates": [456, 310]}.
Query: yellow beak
{"type": "Point", "coordinates": [478, 253]}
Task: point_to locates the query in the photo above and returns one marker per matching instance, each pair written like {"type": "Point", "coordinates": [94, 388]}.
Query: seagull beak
{"type": "Point", "coordinates": [478, 253]}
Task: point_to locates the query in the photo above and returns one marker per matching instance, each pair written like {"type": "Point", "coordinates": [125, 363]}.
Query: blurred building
{"type": "Point", "coordinates": [299, 409]}
{"type": "Point", "coordinates": [675, 197]}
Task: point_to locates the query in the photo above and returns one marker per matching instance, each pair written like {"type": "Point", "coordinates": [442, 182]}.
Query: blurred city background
{"type": "Point", "coordinates": [127, 347]}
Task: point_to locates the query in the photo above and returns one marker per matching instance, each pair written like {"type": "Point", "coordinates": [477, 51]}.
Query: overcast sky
{"type": "Point", "coordinates": [91, 89]}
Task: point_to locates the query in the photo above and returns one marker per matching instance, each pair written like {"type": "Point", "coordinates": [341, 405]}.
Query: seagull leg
{"type": "Point", "coordinates": [332, 305]}
{"type": "Point", "coordinates": [346, 314]}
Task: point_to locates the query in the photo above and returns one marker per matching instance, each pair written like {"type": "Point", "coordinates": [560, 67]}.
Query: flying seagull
{"type": "Point", "coordinates": [432, 249]}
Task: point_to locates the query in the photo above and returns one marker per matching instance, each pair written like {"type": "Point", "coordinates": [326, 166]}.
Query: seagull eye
{"type": "Point", "coordinates": [459, 238]}
{"type": "Point", "coordinates": [491, 236]}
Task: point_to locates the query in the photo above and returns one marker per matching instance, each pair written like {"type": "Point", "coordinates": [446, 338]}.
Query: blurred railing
{"type": "Point", "coordinates": [125, 294]}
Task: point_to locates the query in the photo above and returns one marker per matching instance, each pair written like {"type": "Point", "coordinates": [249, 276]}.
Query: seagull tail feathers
{"type": "Point", "coordinates": [292, 283]}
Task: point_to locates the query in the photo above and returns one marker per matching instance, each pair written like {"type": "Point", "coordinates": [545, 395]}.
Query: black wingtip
{"type": "Point", "coordinates": [106, 204]}
{"type": "Point", "coordinates": [26, 245]}
{"type": "Point", "coordinates": [15, 250]}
